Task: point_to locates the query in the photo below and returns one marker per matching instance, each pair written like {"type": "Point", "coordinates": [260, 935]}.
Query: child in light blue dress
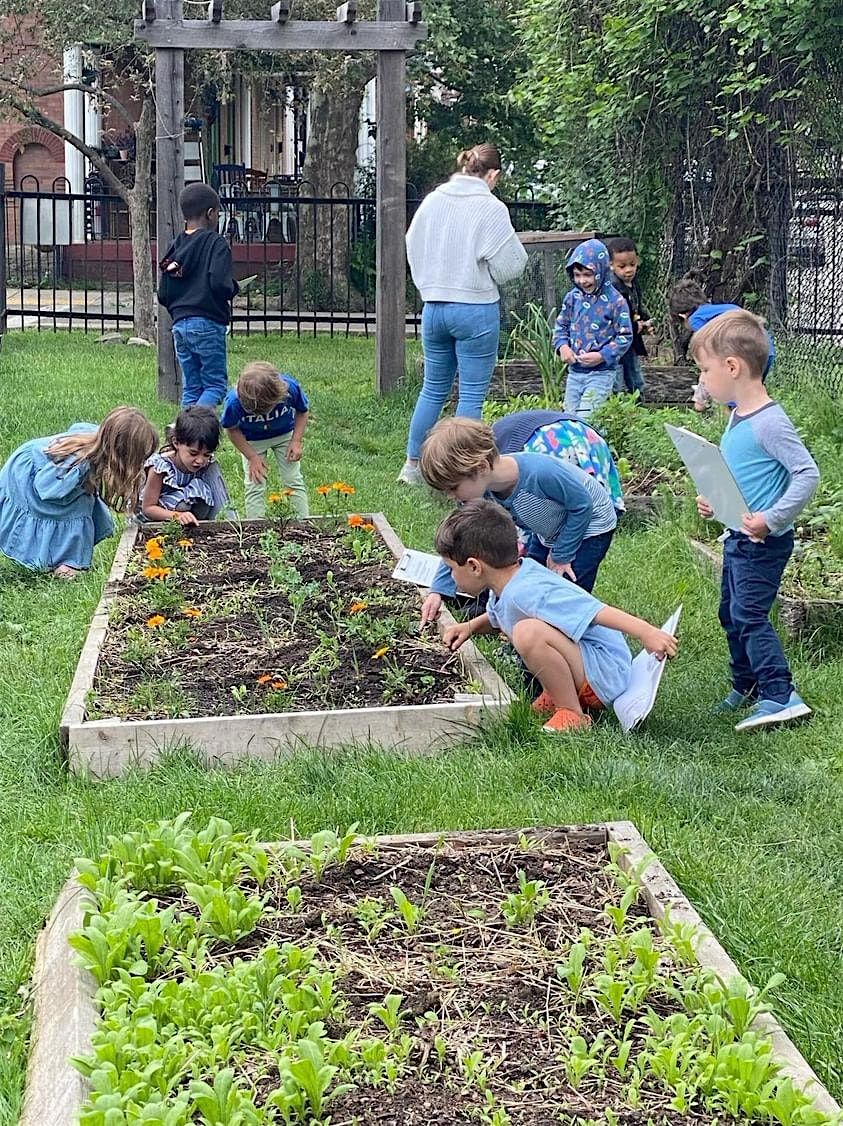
{"type": "Point", "coordinates": [183, 482]}
{"type": "Point", "coordinates": [55, 493]}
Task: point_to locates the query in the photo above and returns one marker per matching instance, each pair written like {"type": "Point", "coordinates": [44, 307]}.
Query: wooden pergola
{"type": "Point", "coordinates": [396, 31]}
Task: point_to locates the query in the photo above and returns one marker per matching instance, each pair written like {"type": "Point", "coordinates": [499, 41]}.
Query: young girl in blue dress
{"type": "Point", "coordinates": [55, 493]}
{"type": "Point", "coordinates": [183, 482]}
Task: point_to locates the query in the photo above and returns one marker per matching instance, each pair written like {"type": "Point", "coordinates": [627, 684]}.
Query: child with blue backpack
{"type": "Point", "coordinates": [593, 329]}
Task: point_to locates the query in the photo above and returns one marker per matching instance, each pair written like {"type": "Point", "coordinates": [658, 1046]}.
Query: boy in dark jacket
{"type": "Point", "coordinates": [196, 289]}
{"type": "Point", "coordinates": [593, 330]}
{"type": "Point", "coordinates": [625, 262]}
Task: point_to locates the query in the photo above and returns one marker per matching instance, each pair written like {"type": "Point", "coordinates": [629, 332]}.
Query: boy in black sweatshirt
{"type": "Point", "coordinates": [196, 289]}
{"type": "Point", "coordinates": [625, 261]}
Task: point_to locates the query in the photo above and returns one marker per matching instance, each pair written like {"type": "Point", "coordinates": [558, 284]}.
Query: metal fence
{"type": "Point", "coordinates": [306, 263]}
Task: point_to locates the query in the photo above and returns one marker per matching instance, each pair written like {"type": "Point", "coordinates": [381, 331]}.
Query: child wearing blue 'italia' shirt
{"type": "Point", "coordinates": [268, 411]}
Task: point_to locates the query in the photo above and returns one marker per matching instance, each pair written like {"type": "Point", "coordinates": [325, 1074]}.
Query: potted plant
{"type": "Point", "coordinates": [125, 145]}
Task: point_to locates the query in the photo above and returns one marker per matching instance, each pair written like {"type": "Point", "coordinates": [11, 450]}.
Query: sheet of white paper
{"type": "Point", "coordinates": [417, 567]}
{"type": "Point", "coordinates": [247, 282]}
{"type": "Point", "coordinates": [633, 706]}
{"type": "Point", "coordinates": [711, 475]}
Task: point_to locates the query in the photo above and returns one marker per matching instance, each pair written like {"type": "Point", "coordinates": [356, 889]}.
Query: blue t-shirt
{"type": "Point", "coordinates": [535, 592]}
{"type": "Point", "coordinates": [258, 427]}
{"type": "Point", "coordinates": [705, 313]}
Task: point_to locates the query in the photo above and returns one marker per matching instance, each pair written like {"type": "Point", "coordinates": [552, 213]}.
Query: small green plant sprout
{"type": "Point", "coordinates": [329, 847]}
{"type": "Point", "coordinates": [389, 1012]}
{"type": "Point", "coordinates": [239, 693]}
{"type": "Point", "coordinates": [618, 914]}
{"type": "Point", "coordinates": [739, 1001]}
{"type": "Point", "coordinates": [580, 1059]}
{"type": "Point", "coordinates": [305, 1084]}
{"type": "Point", "coordinates": [227, 913]}
{"type": "Point", "coordinates": [624, 874]}
{"type": "Point", "coordinates": [411, 913]}
{"type": "Point", "coordinates": [224, 1104]}
{"type": "Point", "coordinates": [572, 970]}
{"type": "Point", "coordinates": [521, 907]}
{"type": "Point", "coordinates": [440, 1046]}
{"type": "Point", "coordinates": [527, 844]}
{"type": "Point", "coordinates": [475, 1070]}
{"type": "Point", "coordinates": [372, 914]}
{"type": "Point", "coordinates": [294, 898]}
{"type": "Point", "coordinates": [681, 938]}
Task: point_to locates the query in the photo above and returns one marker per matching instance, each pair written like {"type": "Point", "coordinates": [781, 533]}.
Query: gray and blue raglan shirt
{"type": "Point", "coordinates": [771, 465]}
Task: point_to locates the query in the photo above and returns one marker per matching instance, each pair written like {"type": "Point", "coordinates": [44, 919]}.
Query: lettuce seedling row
{"type": "Point", "coordinates": [513, 978]}
{"type": "Point", "coordinates": [255, 638]}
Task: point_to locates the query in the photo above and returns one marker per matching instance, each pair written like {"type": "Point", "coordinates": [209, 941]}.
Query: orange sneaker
{"type": "Point", "coordinates": [544, 704]}
{"type": "Point", "coordinates": [566, 720]}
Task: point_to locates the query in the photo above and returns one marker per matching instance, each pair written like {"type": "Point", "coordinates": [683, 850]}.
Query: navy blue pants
{"type": "Point", "coordinates": [585, 563]}
{"type": "Point", "coordinates": [751, 576]}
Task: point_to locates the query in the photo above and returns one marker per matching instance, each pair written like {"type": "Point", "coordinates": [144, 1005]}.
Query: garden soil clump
{"type": "Point", "coordinates": [267, 616]}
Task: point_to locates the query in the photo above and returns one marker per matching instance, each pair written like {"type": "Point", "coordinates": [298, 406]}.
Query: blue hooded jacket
{"type": "Point", "coordinates": [593, 322]}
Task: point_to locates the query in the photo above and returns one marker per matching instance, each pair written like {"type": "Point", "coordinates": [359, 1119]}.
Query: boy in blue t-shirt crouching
{"type": "Point", "coordinates": [777, 477]}
{"type": "Point", "coordinates": [570, 641]}
{"type": "Point", "coordinates": [268, 411]}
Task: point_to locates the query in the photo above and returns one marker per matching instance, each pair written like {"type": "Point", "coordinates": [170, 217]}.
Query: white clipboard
{"type": "Point", "coordinates": [711, 475]}
{"type": "Point", "coordinates": [634, 705]}
{"type": "Point", "coordinates": [417, 567]}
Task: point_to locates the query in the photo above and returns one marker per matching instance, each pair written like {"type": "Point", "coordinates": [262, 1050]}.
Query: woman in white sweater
{"type": "Point", "coordinates": [460, 246]}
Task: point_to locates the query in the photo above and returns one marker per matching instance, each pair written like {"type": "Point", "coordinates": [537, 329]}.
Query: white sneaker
{"type": "Point", "coordinates": [410, 475]}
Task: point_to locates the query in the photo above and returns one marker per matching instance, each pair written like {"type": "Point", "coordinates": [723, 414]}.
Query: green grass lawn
{"type": "Point", "coordinates": [751, 827]}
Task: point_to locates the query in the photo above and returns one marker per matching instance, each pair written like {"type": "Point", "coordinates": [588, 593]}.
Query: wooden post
{"type": "Point", "coordinates": [391, 160]}
{"type": "Point", "coordinates": [3, 249]}
{"type": "Point", "coordinates": [169, 180]}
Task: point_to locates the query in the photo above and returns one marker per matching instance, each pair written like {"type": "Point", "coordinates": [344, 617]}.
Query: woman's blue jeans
{"type": "Point", "coordinates": [455, 335]}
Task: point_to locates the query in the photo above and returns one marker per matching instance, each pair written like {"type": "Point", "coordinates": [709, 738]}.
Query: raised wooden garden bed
{"type": "Point", "coordinates": [668, 386]}
{"type": "Point", "coordinates": [514, 978]}
{"type": "Point", "coordinates": [800, 617]}
{"type": "Point", "coordinates": [259, 637]}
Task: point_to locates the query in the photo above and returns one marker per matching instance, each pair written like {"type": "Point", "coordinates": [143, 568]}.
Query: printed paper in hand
{"type": "Point", "coordinates": [711, 475]}
{"type": "Point", "coordinates": [418, 567]}
{"type": "Point", "coordinates": [246, 283]}
{"type": "Point", "coordinates": [633, 706]}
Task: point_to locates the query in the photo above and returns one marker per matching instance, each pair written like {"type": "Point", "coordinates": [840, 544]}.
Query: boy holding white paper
{"type": "Point", "coordinates": [778, 477]}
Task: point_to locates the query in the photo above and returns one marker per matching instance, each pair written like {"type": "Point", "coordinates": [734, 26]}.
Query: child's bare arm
{"type": "Point", "coordinates": [257, 465]}
{"type": "Point", "coordinates": [152, 510]}
{"type": "Point", "coordinates": [653, 639]}
{"type": "Point", "coordinates": [457, 635]}
{"type": "Point", "coordinates": [294, 449]}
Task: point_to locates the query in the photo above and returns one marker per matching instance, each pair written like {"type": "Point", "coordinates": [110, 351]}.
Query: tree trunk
{"type": "Point", "coordinates": [329, 167]}
{"type": "Point", "coordinates": [139, 201]}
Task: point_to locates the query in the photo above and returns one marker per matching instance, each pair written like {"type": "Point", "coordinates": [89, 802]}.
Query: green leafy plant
{"type": "Point", "coordinates": [521, 907]}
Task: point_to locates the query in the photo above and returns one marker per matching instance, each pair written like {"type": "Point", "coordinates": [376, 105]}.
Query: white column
{"type": "Point", "coordinates": [74, 122]}
{"type": "Point", "coordinates": [288, 158]}
{"type": "Point", "coordinates": [244, 113]}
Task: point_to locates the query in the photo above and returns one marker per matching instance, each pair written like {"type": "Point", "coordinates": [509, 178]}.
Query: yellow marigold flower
{"type": "Point", "coordinates": [367, 527]}
{"type": "Point", "coordinates": [358, 607]}
{"type": "Point", "coordinates": [273, 498]}
{"type": "Point", "coordinates": [323, 490]}
{"type": "Point", "coordinates": [278, 685]}
{"type": "Point", "coordinates": [378, 653]}
{"type": "Point", "coordinates": [184, 543]}
{"type": "Point", "coordinates": [155, 620]}
{"type": "Point", "coordinates": [192, 612]}
{"type": "Point", "coordinates": [154, 550]}
{"type": "Point", "coordinates": [355, 520]}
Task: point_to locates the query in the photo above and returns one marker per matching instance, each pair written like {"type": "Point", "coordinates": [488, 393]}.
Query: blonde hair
{"type": "Point", "coordinates": [115, 452]}
{"type": "Point", "coordinates": [740, 334]}
{"type": "Point", "coordinates": [456, 449]}
{"type": "Point", "coordinates": [479, 160]}
{"type": "Point", "coordinates": [260, 388]}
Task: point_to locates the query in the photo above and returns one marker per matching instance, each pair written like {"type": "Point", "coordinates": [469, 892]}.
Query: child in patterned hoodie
{"type": "Point", "coordinates": [593, 329]}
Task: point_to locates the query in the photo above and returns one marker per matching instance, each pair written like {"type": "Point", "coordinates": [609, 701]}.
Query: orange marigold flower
{"type": "Point", "coordinates": [378, 653]}
{"type": "Point", "coordinates": [278, 685]}
{"type": "Point", "coordinates": [184, 543]}
{"type": "Point", "coordinates": [358, 607]}
{"type": "Point", "coordinates": [192, 612]}
{"type": "Point", "coordinates": [346, 490]}
{"type": "Point", "coordinates": [288, 492]}
{"type": "Point", "coordinates": [155, 620]}
{"type": "Point", "coordinates": [355, 520]}
{"type": "Point", "coordinates": [367, 527]}
{"type": "Point", "coordinates": [156, 572]}
{"type": "Point", "coordinates": [265, 679]}
{"type": "Point", "coordinates": [154, 550]}
{"type": "Point", "coordinates": [323, 490]}
{"type": "Point", "coordinates": [273, 498]}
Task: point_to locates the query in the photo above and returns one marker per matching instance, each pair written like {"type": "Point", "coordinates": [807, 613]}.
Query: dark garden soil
{"type": "Point", "coordinates": [489, 1016]}
{"type": "Point", "coordinates": [267, 616]}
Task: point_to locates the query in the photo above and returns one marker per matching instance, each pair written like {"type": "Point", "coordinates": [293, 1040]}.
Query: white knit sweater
{"type": "Point", "coordinates": [461, 243]}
